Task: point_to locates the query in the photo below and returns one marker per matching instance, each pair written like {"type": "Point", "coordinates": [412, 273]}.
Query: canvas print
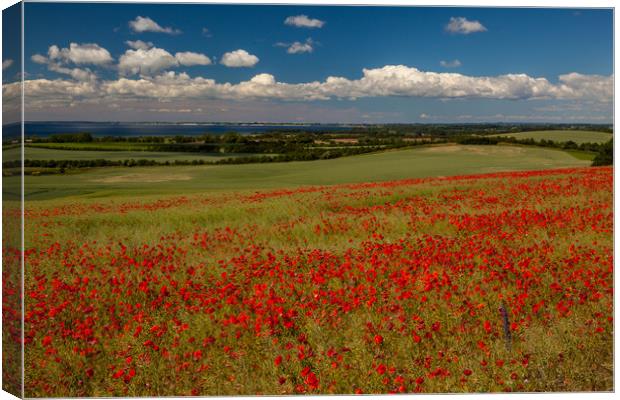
{"type": "Point", "coordinates": [293, 199]}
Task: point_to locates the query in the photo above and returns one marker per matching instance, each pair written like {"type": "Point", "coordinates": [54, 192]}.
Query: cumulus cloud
{"type": "Point", "coordinates": [145, 61]}
{"type": "Point", "coordinates": [151, 61]}
{"type": "Point", "coordinates": [578, 86]}
{"type": "Point", "coordinates": [146, 24]}
{"type": "Point", "coordinates": [41, 93]}
{"type": "Point", "coordinates": [60, 60]}
{"type": "Point", "coordinates": [6, 63]}
{"type": "Point", "coordinates": [139, 44]}
{"type": "Point", "coordinates": [302, 21]}
{"type": "Point", "coordinates": [390, 80]}
{"type": "Point", "coordinates": [299, 48]}
{"type": "Point", "coordinates": [39, 59]}
{"type": "Point", "coordinates": [76, 73]}
{"type": "Point", "coordinates": [450, 64]}
{"type": "Point", "coordinates": [264, 79]}
{"type": "Point", "coordinates": [239, 58]}
{"type": "Point", "coordinates": [86, 53]}
{"type": "Point", "coordinates": [463, 26]}
{"type": "Point", "coordinates": [189, 59]}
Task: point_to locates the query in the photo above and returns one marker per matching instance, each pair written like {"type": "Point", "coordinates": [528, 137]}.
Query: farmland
{"type": "Point", "coordinates": [37, 153]}
{"type": "Point", "coordinates": [357, 288]}
{"type": "Point", "coordinates": [562, 136]}
{"type": "Point", "coordinates": [431, 267]}
{"type": "Point", "coordinates": [390, 165]}
{"type": "Point", "coordinates": [95, 146]}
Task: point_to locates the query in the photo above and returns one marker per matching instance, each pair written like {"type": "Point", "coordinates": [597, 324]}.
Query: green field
{"type": "Point", "coordinates": [562, 136]}
{"type": "Point", "coordinates": [33, 153]}
{"type": "Point", "coordinates": [114, 146]}
{"type": "Point", "coordinates": [582, 155]}
{"type": "Point", "coordinates": [413, 163]}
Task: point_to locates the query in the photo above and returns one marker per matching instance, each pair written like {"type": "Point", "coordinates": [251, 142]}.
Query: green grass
{"type": "Point", "coordinates": [392, 165]}
{"type": "Point", "coordinates": [562, 136]}
{"type": "Point", "coordinates": [12, 153]}
{"type": "Point", "coordinates": [117, 146]}
{"type": "Point", "coordinates": [33, 153]}
{"type": "Point", "coordinates": [582, 155]}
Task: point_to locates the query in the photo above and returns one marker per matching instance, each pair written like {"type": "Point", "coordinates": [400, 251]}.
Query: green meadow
{"type": "Point", "coordinates": [94, 146]}
{"type": "Point", "coordinates": [38, 153]}
{"type": "Point", "coordinates": [448, 160]}
{"type": "Point", "coordinates": [563, 136]}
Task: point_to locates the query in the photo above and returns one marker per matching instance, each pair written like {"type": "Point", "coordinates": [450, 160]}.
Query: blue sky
{"type": "Point", "coordinates": [427, 64]}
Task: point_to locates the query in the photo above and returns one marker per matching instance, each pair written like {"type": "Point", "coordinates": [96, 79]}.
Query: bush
{"type": "Point", "coordinates": [605, 155]}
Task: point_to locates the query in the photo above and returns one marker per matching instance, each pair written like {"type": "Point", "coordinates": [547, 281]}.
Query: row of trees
{"type": "Point", "coordinates": [71, 138]}
{"type": "Point", "coordinates": [605, 155]}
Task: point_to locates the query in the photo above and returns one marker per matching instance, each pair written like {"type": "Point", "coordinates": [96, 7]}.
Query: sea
{"type": "Point", "coordinates": [99, 129]}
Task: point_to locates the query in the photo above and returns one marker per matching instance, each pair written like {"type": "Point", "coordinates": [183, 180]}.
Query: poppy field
{"type": "Point", "coordinates": [479, 283]}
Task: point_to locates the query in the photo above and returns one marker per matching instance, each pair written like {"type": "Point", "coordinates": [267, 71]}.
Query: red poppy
{"type": "Point", "coordinates": [381, 368]}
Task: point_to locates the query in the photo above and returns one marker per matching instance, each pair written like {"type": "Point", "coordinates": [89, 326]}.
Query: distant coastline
{"type": "Point", "coordinates": [164, 128]}
{"type": "Point", "coordinates": [45, 128]}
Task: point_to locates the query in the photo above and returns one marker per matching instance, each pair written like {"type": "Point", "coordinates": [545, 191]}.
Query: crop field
{"type": "Point", "coordinates": [390, 165]}
{"type": "Point", "coordinates": [493, 282]}
{"type": "Point", "coordinates": [36, 153]}
{"type": "Point", "coordinates": [94, 146]}
{"type": "Point", "coordinates": [563, 136]}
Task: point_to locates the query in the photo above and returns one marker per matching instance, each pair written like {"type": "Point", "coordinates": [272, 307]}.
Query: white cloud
{"type": "Point", "coordinates": [87, 53]}
{"type": "Point", "coordinates": [391, 80]}
{"type": "Point", "coordinates": [299, 48]}
{"type": "Point", "coordinates": [463, 26]}
{"type": "Point", "coordinates": [41, 93]}
{"type": "Point", "coordinates": [206, 33]}
{"type": "Point", "coordinates": [6, 63]}
{"type": "Point", "coordinates": [39, 59]}
{"type": "Point", "coordinates": [146, 24]}
{"type": "Point", "coordinates": [302, 21]}
{"type": "Point", "coordinates": [578, 86]}
{"type": "Point", "coordinates": [139, 44]}
{"type": "Point", "coordinates": [450, 64]}
{"type": "Point", "coordinates": [60, 60]}
{"type": "Point", "coordinates": [239, 58]}
{"type": "Point", "coordinates": [154, 60]}
{"type": "Point", "coordinates": [145, 62]}
{"type": "Point", "coordinates": [76, 73]}
{"type": "Point", "coordinates": [189, 58]}
{"type": "Point", "coordinates": [264, 79]}
{"type": "Point", "coordinates": [53, 52]}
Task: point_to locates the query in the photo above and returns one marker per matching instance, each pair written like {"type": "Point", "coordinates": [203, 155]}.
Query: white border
{"type": "Point", "coordinates": [452, 3]}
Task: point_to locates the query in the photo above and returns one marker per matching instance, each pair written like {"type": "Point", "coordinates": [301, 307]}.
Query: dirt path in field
{"type": "Point", "coordinates": [147, 178]}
